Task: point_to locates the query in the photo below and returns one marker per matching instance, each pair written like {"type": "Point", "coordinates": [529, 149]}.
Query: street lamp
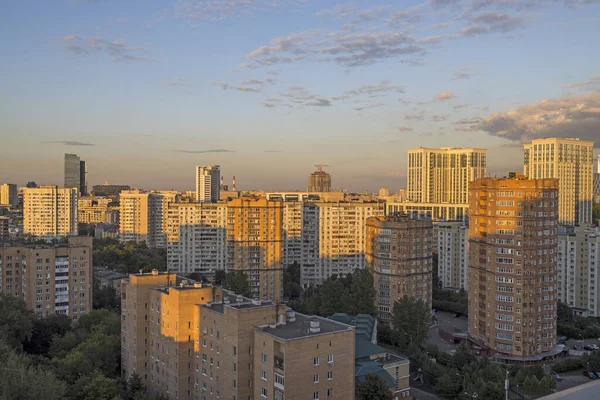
{"type": "Point", "coordinates": [582, 342]}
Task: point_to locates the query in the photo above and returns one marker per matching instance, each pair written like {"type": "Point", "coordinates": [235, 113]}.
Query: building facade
{"type": "Point", "coordinates": [319, 181]}
{"type": "Point", "coordinates": [8, 195]}
{"type": "Point", "coordinates": [196, 237]}
{"type": "Point", "coordinates": [75, 174]}
{"type": "Point", "coordinates": [399, 255]}
{"type": "Point", "coordinates": [431, 211]}
{"type": "Point", "coordinates": [255, 244]}
{"type": "Point", "coordinates": [571, 161]}
{"type": "Point", "coordinates": [453, 254]}
{"type": "Point", "coordinates": [578, 263]}
{"type": "Point", "coordinates": [51, 279]}
{"type": "Point", "coordinates": [83, 182]}
{"type": "Point", "coordinates": [443, 175]}
{"type": "Point", "coordinates": [334, 238]}
{"type": "Point", "coordinates": [143, 216]}
{"type": "Point", "coordinates": [513, 267]}
{"type": "Point", "coordinates": [111, 191]}
{"type": "Point", "coordinates": [4, 222]}
{"type": "Point", "coordinates": [94, 210]}
{"type": "Point", "coordinates": [50, 212]}
{"type": "Point", "coordinates": [208, 185]}
{"type": "Point", "coordinates": [194, 341]}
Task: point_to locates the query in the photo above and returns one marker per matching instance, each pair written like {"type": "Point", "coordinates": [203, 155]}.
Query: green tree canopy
{"type": "Point", "coordinates": [44, 331]}
{"type": "Point", "coordinates": [373, 388]}
{"type": "Point", "coordinates": [16, 320]}
{"type": "Point", "coordinates": [411, 319]}
{"type": "Point", "coordinates": [237, 282]}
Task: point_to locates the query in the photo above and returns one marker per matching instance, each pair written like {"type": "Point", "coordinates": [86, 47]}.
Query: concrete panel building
{"type": "Point", "coordinates": [4, 222]}
{"type": "Point", "coordinates": [443, 175]}
{"type": "Point", "coordinates": [578, 274]}
{"type": "Point", "coordinates": [208, 185]}
{"type": "Point", "coordinates": [9, 195]}
{"type": "Point", "coordinates": [431, 211]}
{"type": "Point", "coordinates": [255, 244]}
{"type": "Point", "coordinates": [196, 237]}
{"type": "Point", "coordinates": [399, 255]}
{"type": "Point", "coordinates": [453, 254]}
{"type": "Point", "coordinates": [51, 279]}
{"type": "Point", "coordinates": [513, 267]}
{"type": "Point", "coordinates": [50, 212]}
{"type": "Point", "coordinates": [571, 161]}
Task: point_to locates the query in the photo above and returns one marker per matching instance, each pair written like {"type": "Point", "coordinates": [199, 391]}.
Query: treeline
{"type": "Point", "coordinates": [456, 302]}
{"type": "Point", "coordinates": [575, 326]}
{"type": "Point", "coordinates": [353, 294]}
{"type": "Point", "coordinates": [128, 258]}
{"type": "Point", "coordinates": [55, 359]}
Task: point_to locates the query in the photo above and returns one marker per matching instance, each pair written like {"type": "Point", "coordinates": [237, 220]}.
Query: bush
{"type": "Point", "coordinates": [569, 364]}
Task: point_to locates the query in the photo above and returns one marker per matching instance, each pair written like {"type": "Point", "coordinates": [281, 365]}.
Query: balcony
{"type": "Point", "coordinates": [278, 361]}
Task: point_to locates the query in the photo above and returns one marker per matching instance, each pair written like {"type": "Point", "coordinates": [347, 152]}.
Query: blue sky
{"type": "Point", "coordinates": [146, 90]}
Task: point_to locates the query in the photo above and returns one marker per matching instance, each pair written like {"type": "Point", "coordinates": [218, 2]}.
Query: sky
{"type": "Point", "coordinates": [146, 90]}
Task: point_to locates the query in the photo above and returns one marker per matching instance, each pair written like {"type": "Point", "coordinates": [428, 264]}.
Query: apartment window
{"type": "Point", "coordinates": [234, 351]}
{"type": "Point", "coordinates": [329, 375]}
{"type": "Point", "coordinates": [316, 378]}
{"type": "Point", "coordinates": [234, 384]}
{"type": "Point", "coordinates": [316, 396]}
{"type": "Point", "coordinates": [330, 358]}
{"type": "Point", "coordinates": [234, 367]}
{"type": "Point", "coordinates": [263, 392]}
{"type": "Point", "coordinates": [263, 357]}
{"type": "Point", "coordinates": [316, 361]}
{"type": "Point", "coordinates": [278, 395]}
{"type": "Point", "coordinates": [330, 392]}
{"type": "Point", "coordinates": [279, 380]}
{"type": "Point", "coordinates": [263, 375]}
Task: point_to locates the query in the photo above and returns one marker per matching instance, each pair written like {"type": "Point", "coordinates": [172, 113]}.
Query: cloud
{"type": "Point", "coordinates": [460, 106]}
{"type": "Point", "coordinates": [320, 102]}
{"type": "Point", "coordinates": [221, 84]}
{"type": "Point", "coordinates": [592, 84]}
{"type": "Point", "coordinates": [442, 3]}
{"type": "Point", "coordinates": [444, 95]}
{"type": "Point", "coordinates": [273, 151]}
{"type": "Point", "coordinates": [383, 88]}
{"type": "Point", "coordinates": [366, 107]}
{"type": "Point", "coordinates": [248, 89]}
{"type": "Point", "coordinates": [118, 50]}
{"type": "Point", "coordinates": [204, 151]}
{"type": "Point", "coordinates": [416, 116]}
{"type": "Point", "coordinates": [439, 118]}
{"type": "Point", "coordinates": [577, 116]}
{"type": "Point", "coordinates": [339, 11]}
{"type": "Point", "coordinates": [405, 129]}
{"type": "Point", "coordinates": [70, 143]}
{"type": "Point", "coordinates": [215, 10]}
{"type": "Point", "coordinates": [177, 82]}
{"type": "Point", "coordinates": [463, 73]}
{"type": "Point", "coordinates": [468, 121]}
{"type": "Point", "coordinates": [492, 22]}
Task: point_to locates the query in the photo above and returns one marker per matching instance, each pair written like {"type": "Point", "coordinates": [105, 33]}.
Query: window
{"type": "Point", "coordinates": [279, 380]}
{"type": "Point", "coordinates": [263, 357]}
{"type": "Point", "coordinates": [263, 392]}
{"type": "Point", "coordinates": [316, 378]}
{"type": "Point", "coordinates": [316, 396]}
{"type": "Point", "coordinates": [278, 395]}
{"type": "Point", "coordinates": [330, 392]}
{"type": "Point", "coordinates": [316, 361]}
{"type": "Point", "coordinates": [329, 375]}
{"type": "Point", "coordinates": [263, 375]}
{"type": "Point", "coordinates": [234, 351]}
{"type": "Point", "coordinates": [330, 358]}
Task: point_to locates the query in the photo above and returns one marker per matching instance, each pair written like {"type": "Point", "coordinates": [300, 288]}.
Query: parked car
{"type": "Point", "coordinates": [590, 347]}
{"type": "Point", "coordinates": [563, 339]}
{"type": "Point", "coordinates": [594, 346]}
{"type": "Point", "coordinates": [589, 374]}
{"type": "Point", "coordinates": [556, 377]}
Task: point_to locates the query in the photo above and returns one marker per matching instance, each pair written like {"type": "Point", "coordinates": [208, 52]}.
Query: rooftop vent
{"type": "Point", "coordinates": [273, 326]}
{"type": "Point", "coordinates": [197, 284]}
{"type": "Point", "coordinates": [239, 299]}
{"type": "Point", "coordinates": [315, 326]}
{"type": "Point", "coordinates": [183, 283]}
{"type": "Point", "coordinates": [256, 302]}
{"type": "Point", "coordinates": [141, 271]}
{"type": "Point", "coordinates": [290, 315]}
{"type": "Point", "coordinates": [154, 272]}
{"type": "Point", "coordinates": [226, 300]}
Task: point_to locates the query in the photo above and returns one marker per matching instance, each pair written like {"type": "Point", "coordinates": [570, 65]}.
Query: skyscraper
{"type": "Point", "coordinates": [399, 254]}
{"type": "Point", "coordinates": [208, 185]}
{"type": "Point", "coordinates": [571, 161]}
{"type": "Point", "coordinates": [8, 195]}
{"type": "Point", "coordinates": [50, 212]}
{"type": "Point", "coordinates": [443, 175]}
{"type": "Point", "coordinates": [319, 181]}
{"type": "Point", "coordinates": [513, 267]}
{"type": "Point", "coordinates": [82, 178]}
{"type": "Point", "coordinates": [73, 172]}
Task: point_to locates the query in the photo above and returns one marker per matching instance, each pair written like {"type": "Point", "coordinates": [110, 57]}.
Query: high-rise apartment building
{"type": "Point", "coordinates": [106, 190]}
{"type": "Point", "coordinates": [50, 212]}
{"type": "Point", "coordinates": [4, 222]}
{"type": "Point", "coordinates": [51, 279]}
{"type": "Point", "coordinates": [433, 211]}
{"type": "Point", "coordinates": [196, 237]}
{"type": "Point", "coordinates": [193, 341]}
{"type": "Point", "coordinates": [292, 232]}
{"type": "Point", "coordinates": [9, 195]}
{"type": "Point", "coordinates": [319, 181]}
{"type": "Point", "coordinates": [571, 161]}
{"type": "Point", "coordinates": [578, 273]}
{"type": "Point", "coordinates": [334, 238]}
{"type": "Point", "coordinates": [208, 185]}
{"type": "Point", "coordinates": [143, 216]}
{"type": "Point", "coordinates": [75, 174]}
{"type": "Point", "coordinates": [443, 175]}
{"type": "Point", "coordinates": [453, 254]}
{"type": "Point", "coordinates": [255, 244]}
{"type": "Point", "coordinates": [513, 266]}
{"type": "Point", "coordinates": [399, 255]}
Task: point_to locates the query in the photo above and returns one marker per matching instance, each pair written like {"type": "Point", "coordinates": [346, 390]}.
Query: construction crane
{"type": "Point", "coordinates": [321, 166]}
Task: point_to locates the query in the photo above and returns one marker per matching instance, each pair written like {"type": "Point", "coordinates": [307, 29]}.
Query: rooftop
{"type": "Point", "coordinates": [305, 326]}
{"type": "Point", "coordinates": [588, 391]}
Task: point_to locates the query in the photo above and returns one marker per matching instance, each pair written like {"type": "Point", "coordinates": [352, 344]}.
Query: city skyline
{"type": "Point", "coordinates": [288, 84]}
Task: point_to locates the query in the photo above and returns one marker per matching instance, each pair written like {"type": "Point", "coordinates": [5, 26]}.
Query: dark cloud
{"type": "Point", "coordinates": [204, 151]}
{"type": "Point", "coordinates": [564, 117]}
{"type": "Point", "coordinates": [70, 143]}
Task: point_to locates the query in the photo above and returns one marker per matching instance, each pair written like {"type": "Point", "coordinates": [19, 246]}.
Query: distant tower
{"type": "Point", "coordinates": [83, 178]}
{"type": "Point", "coordinates": [207, 183]}
{"type": "Point", "coordinates": [384, 192]}
{"type": "Point", "coordinates": [319, 181]}
{"type": "Point", "coordinates": [73, 172]}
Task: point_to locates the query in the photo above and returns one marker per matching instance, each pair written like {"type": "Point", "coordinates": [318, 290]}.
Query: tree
{"type": "Point", "coordinates": [134, 388]}
{"type": "Point", "coordinates": [220, 276]}
{"type": "Point", "coordinates": [16, 320]}
{"type": "Point", "coordinates": [411, 319]}
{"type": "Point", "coordinates": [105, 297]}
{"type": "Point", "coordinates": [95, 387]}
{"type": "Point", "coordinates": [373, 388]}
{"type": "Point", "coordinates": [198, 277]}
{"type": "Point", "coordinates": [362, 293]}
{"type": "Point", "coordinates": [237, 282]}
{"type": "Point", "coordinates": [44, 331]}
{"type": "Point", "coordinates": [448, 385]}
{"type": "Point", "coordinates": [333, 297]}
